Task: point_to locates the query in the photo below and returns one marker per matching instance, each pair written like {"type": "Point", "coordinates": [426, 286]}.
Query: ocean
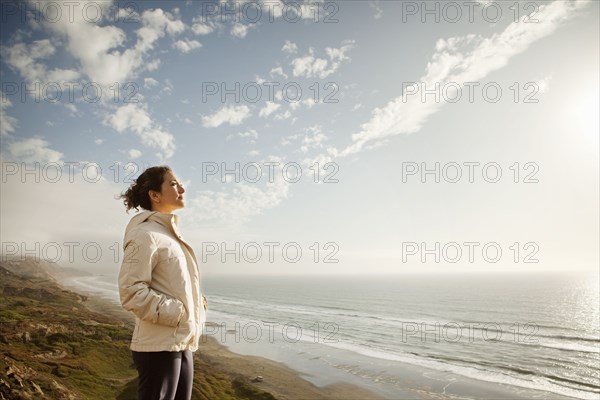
{"type": "Point", "coordinates": [415, 336]}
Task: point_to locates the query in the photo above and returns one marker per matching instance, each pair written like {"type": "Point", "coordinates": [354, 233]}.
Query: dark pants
{"type": "Point", "coordinates": [164, 375]}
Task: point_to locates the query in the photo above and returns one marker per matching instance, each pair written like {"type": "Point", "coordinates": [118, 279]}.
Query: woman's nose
{"type": "Point", "coordinates": [181, 189]}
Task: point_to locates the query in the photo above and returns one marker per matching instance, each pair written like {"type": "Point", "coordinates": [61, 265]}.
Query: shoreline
{"type": "Point", "coordinates": [282, 381]}
{"type": "Point", "coordinates": [332, 371]}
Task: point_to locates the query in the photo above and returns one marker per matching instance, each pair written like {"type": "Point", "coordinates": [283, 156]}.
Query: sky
{"type": "Point", "coordinates": [347, 137]}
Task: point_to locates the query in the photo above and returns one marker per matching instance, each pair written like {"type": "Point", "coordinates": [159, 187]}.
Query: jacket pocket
{"type": "Point", "coordinates": [182, 318]}
{"type": "Point", "coordinates": [136, 330]}
{"type": "Point", "coordinates": [169, 311]}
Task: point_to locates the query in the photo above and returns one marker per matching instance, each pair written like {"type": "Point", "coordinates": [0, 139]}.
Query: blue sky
{"type": "Point", "coordinates": [158, 65]}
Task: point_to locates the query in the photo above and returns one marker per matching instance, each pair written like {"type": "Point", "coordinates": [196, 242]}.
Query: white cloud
{"type": "Point", "coordinates": [150, 83]}
{"type": "Point", "coordinates": [33, 150]}
{"type": "Point", "coordinates": [249, 134]}
{"type": "Point", "coordinates": [156, 23]}
{"type": "Point", "coordinates": [259, 80]}
{"type": "Point", "coordinates": [309, 103]}
{"type": "Point", "coordinates": [278, 71]}
{"type": "Point", "coordinates": [288, 139]}
{"type": "Point", "coordinates": [167, 87]}
{"type": "Point", "coordinates": [134, 153]}
{"type": "Point", "coordinates": [376, 8]}
{"type": "Point", "coordinates": [92, 45]}
{"type": "Point", "coordinates": [128, 14]}
{"type": "Point", "coordinates": [269, 108]}
{"type": "Point", "coordinates": [8, 124]}
{"type": "Point", "coordinates": [289, 47]}
{"type": "Point", "coordinates": [253, 153]}
{"type": "Point", "coordinates": [71, 107]}
{"type": "Point", "coordinates": [314, 139]}
{"type": "Point", "coordinates": [240, 30]}
{"type": "Point", "coordinates": [24, 58]}
{"type": "Point", "coordinates": [459, 59]}
{"type": "Point", "coordinates": [304, 10]}
{"type": "Point", "coordinates": [185, 46]}
{"type": "Point", "coordinates": [339, 54]}
{"type": "Point", "coordinates": [544, 84]}
{"type": "Point", "coordinates": [153, 65]}
{"type": "Point", "coordinates": [158, 138]}
{"type": "Point", "coordinates": [132, 117]}
{"type": "Point", "coordinates": [310, 66]}
{"type": "Point", "coordinates": [97, 47]}
{"type": "Point", "coordinates": [245, 201]}
{"type": "Point", "coordinates": [99, 141]}
{"type": "Point", "coordinates": [233, 115]}
{"type": "Point", "coordinates": [321, 160]}
{"type": "Point", "coordinates": [202, 29]}
{"type": "Point", "coordinates": [283, 116]}
{"type": "Point", "coordinates": [203, 26]}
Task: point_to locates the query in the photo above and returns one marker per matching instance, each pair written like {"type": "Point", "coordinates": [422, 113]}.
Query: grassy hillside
{"type": "Point", "coordinates": [52, 346]}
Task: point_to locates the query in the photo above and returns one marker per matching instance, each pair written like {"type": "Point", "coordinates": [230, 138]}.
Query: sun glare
{"type": "Point", "coordinates": [587, 114]}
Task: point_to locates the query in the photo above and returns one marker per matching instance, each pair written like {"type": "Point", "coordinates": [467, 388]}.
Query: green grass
{"type": "Point", "coordinates": [11, 316]}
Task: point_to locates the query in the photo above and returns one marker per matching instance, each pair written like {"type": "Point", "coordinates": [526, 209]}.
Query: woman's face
{"type": "Point", "coordinates": [170, 197]}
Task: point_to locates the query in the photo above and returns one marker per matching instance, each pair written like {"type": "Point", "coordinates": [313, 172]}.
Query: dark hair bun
{"type": "Point", "coordinates": [137, 194]}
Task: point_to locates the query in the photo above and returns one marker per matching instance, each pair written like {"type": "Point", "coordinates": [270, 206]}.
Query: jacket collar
{"type": "Point", "coordinates": [169, 221]}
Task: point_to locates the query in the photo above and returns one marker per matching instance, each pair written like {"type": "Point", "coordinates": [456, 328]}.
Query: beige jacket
{"type": "Point", "coordinates": [159, 281]}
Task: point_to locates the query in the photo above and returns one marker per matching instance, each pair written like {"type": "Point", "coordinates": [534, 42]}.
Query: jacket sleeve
{"type": "Point", "coordinates": [135, 277]}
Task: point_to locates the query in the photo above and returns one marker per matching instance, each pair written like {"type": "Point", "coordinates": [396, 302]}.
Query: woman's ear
{"type": "Point", "coordinates": [154, 196]}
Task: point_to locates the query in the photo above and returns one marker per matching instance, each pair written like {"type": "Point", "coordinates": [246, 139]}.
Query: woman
{"type": "Point", "coordinates": [159, 281]}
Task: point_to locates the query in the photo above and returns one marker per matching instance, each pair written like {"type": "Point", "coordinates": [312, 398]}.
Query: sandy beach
{"type": "Point", "coordinates": [279, 380]}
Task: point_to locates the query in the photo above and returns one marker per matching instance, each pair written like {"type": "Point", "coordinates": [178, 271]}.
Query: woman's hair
{"type": "Point", "coordinates": [137, 194]}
